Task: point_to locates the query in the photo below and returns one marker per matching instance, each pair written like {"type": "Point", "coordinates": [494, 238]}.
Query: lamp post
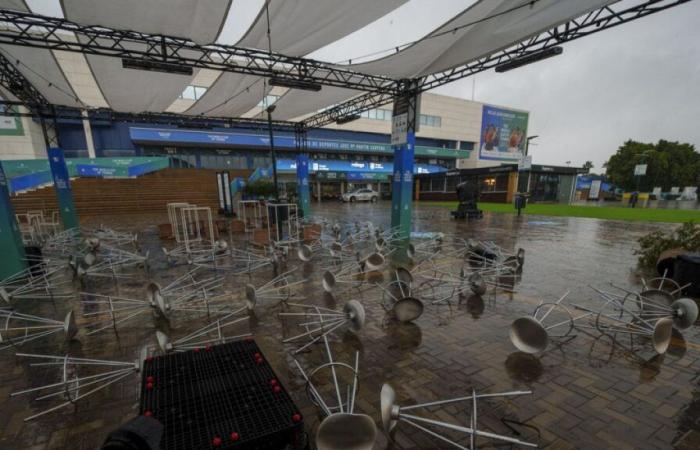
{"type": "Point", "coordinates": [270, 109]}
{"type": "Point", "coordinates": [527, 142]}
{"type": "Point", "coordinates": [642, 160]}
{"type": "Point", "coordinates": [527, 152]}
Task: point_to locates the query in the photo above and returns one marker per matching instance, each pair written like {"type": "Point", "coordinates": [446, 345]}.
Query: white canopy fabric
{"type": "Point", "coordinates": [489, 33]}
{"type": "Point", "coordinates": [17, 5]}
{"type": "Point", "coordinates": [297, 103]}
{"type": "Point", "coordinates": [299, 27]}
{"type": "Point", "coordinates": [129, 90]}
{"type": "Point", "coordinates": [232, 95]}
{"type": "Point", "coordinates": [41, 69]}
{"type": "Point", "coordinates": [198, 20]}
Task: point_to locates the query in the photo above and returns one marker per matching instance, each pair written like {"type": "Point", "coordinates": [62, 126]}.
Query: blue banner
{"type": "Point", "coordinates": [337, 165]}
{"type": "Point", "coordinates": [29, 181]}
{"type": "Point", "coordinates": [61, 181]}
{"type": "Point", "coordinates": [168, 136]}
{"type": "Point", "coordinates": [147, 167]}
{"type": "Point", "coordinates": [85, 170]}
{"type": "Point", "coordinates": [302, 164]}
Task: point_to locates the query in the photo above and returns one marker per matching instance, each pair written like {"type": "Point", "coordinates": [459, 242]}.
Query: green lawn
{"type": "Point", "coordinates": [596, 212]}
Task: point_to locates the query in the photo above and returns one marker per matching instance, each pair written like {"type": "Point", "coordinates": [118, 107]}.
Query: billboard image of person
{"type": "Point", "coordinates": [503, 134]}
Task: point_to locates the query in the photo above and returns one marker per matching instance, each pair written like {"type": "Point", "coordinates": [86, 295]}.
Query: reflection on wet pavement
{"type": "Point", "coordinates": [589, 392]}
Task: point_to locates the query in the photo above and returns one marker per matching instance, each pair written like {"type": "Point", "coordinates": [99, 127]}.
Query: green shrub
{"type": "Point", "coordinates": [260, 189]}
{"type": "Point", "coordinates": [687, 236]}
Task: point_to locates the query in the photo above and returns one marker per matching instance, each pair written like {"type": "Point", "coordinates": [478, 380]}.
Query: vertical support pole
{"type": "Point", "coordinates": [303, 194]}
{"type": "Point", "coordinates": [402, 186]}
{"type": "Point", "coordinates": [269, 110]}
{"type": "Point", "coordinates": [403, 138]}
{"type": "Point", "coordinates": [303, 185]}
{"type": "Point", "coordinates": [11, 246]}
{"type": "Point", "coordinates": [61, 181]}
{"type": "Point", "coordinates": [87, 128]}
{"type": "Point", "coordinates": [318, 188]}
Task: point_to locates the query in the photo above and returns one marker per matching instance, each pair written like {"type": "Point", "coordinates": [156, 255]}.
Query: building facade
{"type": "Point", "coordinates": [500, 184]}
{"type": "Point", "coordinates": [451, 135]}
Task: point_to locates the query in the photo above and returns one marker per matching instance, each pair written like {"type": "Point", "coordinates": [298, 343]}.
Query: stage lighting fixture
{"type": "Point", "coordinates": [156, 66]}
{"type": "Point", "coordinates": [295, 83]}
{"type": "Point", "coordinates": [347, 119]}
{"type": "Point", "coordinates": [529, 59]}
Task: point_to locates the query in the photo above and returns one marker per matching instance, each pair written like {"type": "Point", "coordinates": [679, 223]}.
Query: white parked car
{"type": "Point", "coordinates": [361, 195]}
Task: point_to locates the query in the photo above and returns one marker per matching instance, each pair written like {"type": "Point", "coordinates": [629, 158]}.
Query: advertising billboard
{"type": "Point", "coordinates": [503, 134]}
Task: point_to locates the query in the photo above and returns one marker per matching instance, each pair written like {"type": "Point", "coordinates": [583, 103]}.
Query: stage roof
{"type": "Point", "coordinates": [298, 28]}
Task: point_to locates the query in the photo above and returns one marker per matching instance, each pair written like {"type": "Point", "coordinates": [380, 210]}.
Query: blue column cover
{"type": "Point", "coordinates": [64, 194]}
{"type": "Point", "coordinates": [303, 185]}
{"type": "Point", "coordinates": [11, 246]}
{"type": "Point", "coordinates": [402, 185]}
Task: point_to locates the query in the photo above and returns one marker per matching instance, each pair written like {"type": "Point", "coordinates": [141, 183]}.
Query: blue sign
{"type": "Point", "coordinates": [402, 185]}
{"type": "Point", "coordinates": [89, 170]}
{"type": "Point", "coordinates": [337, 165]}
{"type": "Point", "coordinates": [282, 140]}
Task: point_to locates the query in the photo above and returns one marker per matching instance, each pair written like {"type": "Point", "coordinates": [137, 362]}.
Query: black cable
{"type": "Point", "coordinates": [400, 47]}
{"type": "Point", "coordinates": [49, 83]}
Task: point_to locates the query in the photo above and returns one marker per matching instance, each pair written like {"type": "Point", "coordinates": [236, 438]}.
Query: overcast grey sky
{"type": "Point", "coordinates": [640, 80]}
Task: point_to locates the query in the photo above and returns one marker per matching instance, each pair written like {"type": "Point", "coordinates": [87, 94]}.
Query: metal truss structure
{"type": "Point", "coordinates": [593, 22]}
{"type": "Point", "coordinates": [32, 30]}
{"type": "Point", "coordinates": [49, 112]}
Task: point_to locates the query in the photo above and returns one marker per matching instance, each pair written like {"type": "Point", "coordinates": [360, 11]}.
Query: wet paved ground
{"type": "Point", "coordinates": [587, 393]}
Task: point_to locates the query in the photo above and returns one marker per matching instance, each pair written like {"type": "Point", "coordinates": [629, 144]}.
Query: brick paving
{"type": "Point", "coordinates": [587, 393]}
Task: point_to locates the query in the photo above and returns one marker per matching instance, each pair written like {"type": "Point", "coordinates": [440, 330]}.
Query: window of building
{"type": "Point", "coordinates": [430, 121]}
{"type": "Point", "coordinates": [493, 183]}
{"type": "Point", "coordinates": [545, 187]}
{"type": "Point", "coordinates": [425, 185]}
{"type": "Point", "coordinates": [376, 114]}
{"type": "Point", "coordinates": [451, 183]}
{"type": "Point", "coordinates": [488, 184]}
{"type": "Point", "coordinates": [261, 161]}
{"type": "Point", "coordinates": [192, 92]}
{"type": "Point", "coordinates": [268, 100]}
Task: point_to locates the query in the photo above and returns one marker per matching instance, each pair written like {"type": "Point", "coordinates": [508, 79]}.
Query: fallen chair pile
{"type": "Point", "coordinates": [185, 294]}
{"type": "Point", "coordinates": [45, 280]}
{"type": "Point", "coordinates": [392, 414]}
{"type": "Point", "coordinates": [211, 334]}
{"type": "Point", "coordinates": [79, 377]}
{"type": "Point", "coordinates": [622, 312]}
{"type": "Point", "coordinates": [101, 260]}
{"type": "Point", "coordinates": [341, 427]}
{"type": "Point", "coordinates": [319, 321]}
{"type": "Point", "coordinates": [18, 329]}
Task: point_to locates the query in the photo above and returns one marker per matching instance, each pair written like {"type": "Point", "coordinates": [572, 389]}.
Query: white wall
{"type": "Point", "coordinates": [28, 146]}
{"type": "Point", "coordinates": [461, 119]}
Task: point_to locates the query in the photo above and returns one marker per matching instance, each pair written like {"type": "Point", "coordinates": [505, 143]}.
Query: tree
{"type": "Point", "coordinates": [668, 164]}
{"type": "Point", "coordinates": [588, 165]}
